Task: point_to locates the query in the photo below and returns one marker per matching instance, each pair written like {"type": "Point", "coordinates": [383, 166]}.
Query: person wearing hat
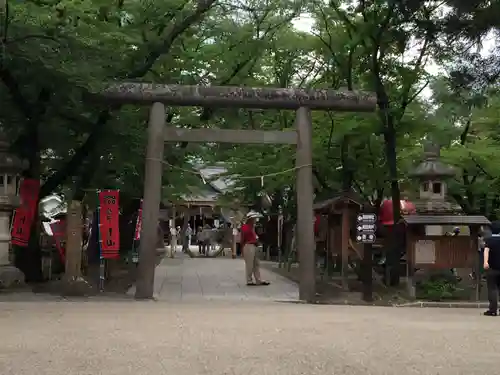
{"type": "Point", "coordinates": [491, 264]}
{"type": "Point", "coordinates": [249, 247]}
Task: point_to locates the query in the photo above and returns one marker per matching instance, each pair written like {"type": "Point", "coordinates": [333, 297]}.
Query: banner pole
{"type": "Point", "coordinates": [102, 261]}
{"type": "Point", "coordinates": [131, 255]}
{"type": "Point", "coordinates": [137, 236]}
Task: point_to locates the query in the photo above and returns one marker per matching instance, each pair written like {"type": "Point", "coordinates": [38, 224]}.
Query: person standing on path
{"type": "Point", "coordinates": [491, 266]}
{"type": "Point", "coordinates": [199, 239]}
{"type": "Point", "coordinates": [249, 248]}
{"type": "Point", "coordinates": [238, 242]}
{"type": "Point", "coordinates": [187, 237]}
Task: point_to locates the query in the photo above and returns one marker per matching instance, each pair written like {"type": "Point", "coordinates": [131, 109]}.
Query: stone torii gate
{"type": "Point", "coordinates": [300, 100]}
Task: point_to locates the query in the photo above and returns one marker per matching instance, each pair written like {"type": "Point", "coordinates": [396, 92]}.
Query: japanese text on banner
{"type": "Point", "coordinates": [109, 223]}
{"type": "Point", "coordinates": [24, 215]}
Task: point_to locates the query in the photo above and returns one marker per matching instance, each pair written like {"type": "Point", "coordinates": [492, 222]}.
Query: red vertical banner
{"type": "Point", "coordinates": [25, 214]}
{"type": "Point", "coordinates": [59, 232]}
{"type": "Point", "coordinates": [138, 225]}
{"type": "Point", "coordinates": [109, 227]}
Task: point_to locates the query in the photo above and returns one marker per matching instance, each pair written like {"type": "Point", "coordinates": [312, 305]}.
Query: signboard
{"type": "Point", "coordinates": [366, 228]}
{"type": "Point", "coordinates": [425, 252]}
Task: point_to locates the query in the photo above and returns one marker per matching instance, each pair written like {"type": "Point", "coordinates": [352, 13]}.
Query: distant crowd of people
{"type": "Point", "coordinates": [246, 244]}
{"type": "Point", "coordinates": [203, 236]}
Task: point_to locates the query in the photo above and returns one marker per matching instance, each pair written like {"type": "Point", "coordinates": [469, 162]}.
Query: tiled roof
{"type": "Point", "coordinates": [214, 176]}
{"type": "Point", "coordinates": [445, 219]}
{"type": "Point", "coordinates": [352, 197]}
{"type": "Point", "coordinates": [214, 186]}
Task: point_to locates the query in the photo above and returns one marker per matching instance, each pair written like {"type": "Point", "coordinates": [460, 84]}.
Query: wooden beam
{"type": "Point", "coordinates": [239, 97]}
{"type": "Point", "coordinates": [173, 134]}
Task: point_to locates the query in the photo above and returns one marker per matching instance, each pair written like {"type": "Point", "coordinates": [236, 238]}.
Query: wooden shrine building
{"type": "Point", "coordinates": [201, 203]}
{"type": "Point", "coordinates": [336, 219]}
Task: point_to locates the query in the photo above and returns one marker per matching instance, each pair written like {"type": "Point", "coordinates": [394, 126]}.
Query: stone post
{"type": "Point", "coordinates": [9, 275]}
{"type": "Point", "coordinates": [305, 219]}
{"type": "Point", "coordinates": [10, 170]}
{"type": "Point", "coordinates": [151, 203]}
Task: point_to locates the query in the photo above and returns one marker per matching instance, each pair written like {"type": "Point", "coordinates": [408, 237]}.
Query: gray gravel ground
{"type": "Point", "coordinates": [221, 337]}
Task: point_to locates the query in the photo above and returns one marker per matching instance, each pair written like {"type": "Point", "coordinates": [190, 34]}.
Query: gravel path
{"type": "Point", "coordinates": [244, 337]}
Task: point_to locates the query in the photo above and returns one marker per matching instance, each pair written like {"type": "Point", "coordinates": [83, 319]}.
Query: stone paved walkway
{"type": "Point", "coordinates": [187, 279]}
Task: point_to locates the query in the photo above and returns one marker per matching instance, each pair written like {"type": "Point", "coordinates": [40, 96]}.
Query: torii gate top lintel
{"type": "Point", "coordinates": [241, 97]}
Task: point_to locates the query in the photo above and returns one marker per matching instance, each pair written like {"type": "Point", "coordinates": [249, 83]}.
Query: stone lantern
{"type": "Point", "coordinates": [432, 239]}
{"type": "Point", "coordinates": [432, 174]}
{"type": "Point", "coordinates": [10, 169]}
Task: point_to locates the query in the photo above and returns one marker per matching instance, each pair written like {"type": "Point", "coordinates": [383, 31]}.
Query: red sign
{"type": "Point", "coordinates": [109, 228]}
{"type": "Point", "coordinates": [138, 225]}
{"type": "Point", "coordinates": [59, 232]}
{"type": "Point", "coordinates": [24, 215]}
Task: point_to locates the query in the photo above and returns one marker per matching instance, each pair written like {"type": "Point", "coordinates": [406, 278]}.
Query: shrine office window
{"type": "Point", "coordinates": [436, 188]}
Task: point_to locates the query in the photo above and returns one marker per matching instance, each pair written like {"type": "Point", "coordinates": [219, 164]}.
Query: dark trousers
{"type": "Point", "coordinates": [203, 247]}
{"type": "Point", "coordinates": [493, 284]}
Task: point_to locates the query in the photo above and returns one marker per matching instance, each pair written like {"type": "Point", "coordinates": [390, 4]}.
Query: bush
{"type": "Point", "coordinates": [439, 289]}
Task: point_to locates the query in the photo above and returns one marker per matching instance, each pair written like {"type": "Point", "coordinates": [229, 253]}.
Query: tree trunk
{"type": "Point", "coordinates": [347, 171]}
{"type": "Point", "coordinates": [394, 252]}
{"type": "Point", "coordinates": [70, 168]}
{"type": "Point", "coordinates": [84, 181]}
{"type": "Point", "coordinates": [29, 259]}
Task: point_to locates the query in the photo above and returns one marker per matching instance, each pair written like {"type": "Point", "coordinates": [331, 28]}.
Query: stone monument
{"type": "Point", "coordinates": [10, 171]}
